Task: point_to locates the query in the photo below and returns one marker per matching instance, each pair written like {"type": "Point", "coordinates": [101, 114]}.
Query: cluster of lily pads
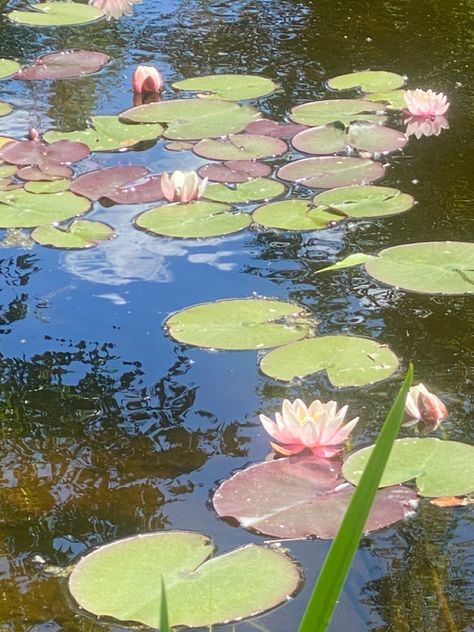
{"type": "Point", "coordinates": [308, 173]}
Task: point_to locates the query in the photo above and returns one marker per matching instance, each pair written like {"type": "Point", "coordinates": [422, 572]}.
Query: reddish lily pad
{"type": "Point", "coordinates": [234, 171]}
{"type": "Point", "coordinates": [301, 497]}
{"type": "Point", "coordinates": [122, 185]}
{"type": "Point", "coordinates": [35, 174]}
{"type": "Point", "coordinates": [327, 172]}
{"type": "Point", "coordinates": [363, 136]}
{"type": "Point", "coordinates": [240, 147]}
{"type": "Point", "coordinates": [266, 127]}
{"type": "Point", "coordinates": [64, 64]}
{"type": "Point", "coordinates": [51, 158]}
{"type": "Point", "coordinates": [343, 110]}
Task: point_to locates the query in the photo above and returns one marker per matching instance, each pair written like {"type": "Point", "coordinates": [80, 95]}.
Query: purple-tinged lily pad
{"type": "Point", "coordinates": [344, 110]}
{"type": "Point", "coordinates": [122, 185]}
{"type": "Point", "coordinates": [266, 127]}
{"type": "Point", "coordinates": [240, 147]}
{"type": "Point", "coordinates": [63, 65]}
{"type": "Point", "coordinates": [235, 171]}
{"type": "Point", "coordinates": [301, 497]}
{"type": "Point", "coordinates": [50, 159]}
{"type": "Point", "coordinates": [327, 172]}
{"type": "Point", "coordinates": [35, 174]}
{"type": "Point", "coordinates": [363, 136]}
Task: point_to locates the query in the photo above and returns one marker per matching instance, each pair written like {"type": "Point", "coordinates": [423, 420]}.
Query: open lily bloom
{"type": "Point", "coordinates": [182, 186]}
{"type": "Point", "coordinates": [421, 405]}
{"type": "Point", "coordinates": [318, 427]}
{"type": "Point", "coordinates": [425, 103]}
{"type": "Point", "coordinates": [114, 8]}
{"type": "Point", "coordinates": [421, 126]}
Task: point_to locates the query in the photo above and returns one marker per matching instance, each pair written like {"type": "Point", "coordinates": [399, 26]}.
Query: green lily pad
{"type": "Point", "coordinates": [348, 360]}
{"type": "Point", "coordinates": [193, 119]}
{"type": "Point", "coordinates": [343, 110]}
{"type": "Point", "coordinates": [201, 589]}
{"type": "Point", "coordinates": [294, 215]}
{"type": "Point", "coordinates": [326, 172]}
{"type": "Point", "coordinates": [57, 14]}
{"type": "Point", "coordinates": [109, 134]}
{"type": "Point", "coordinates": [368, 81]}
{"type": "Point", "coordinates": [47, 186]}
{"type": "Point", "coordinates": [363, 136]}
{"type": "Point", "coordinates": [82, 233]}
{"type": "Point", "coordinates": [364, 201]}
{"type": "Point", "coordinates": [245, 192]}
{"type": "Point", "coordinates": [441, 468]}
{"type": "Point", "coordinates": [193, 220]}
{"type": "Point", "coordinates": [7, 170]}
{"type": "Point", "coordinates": [21, 209]}
{"type": "Point", "coordinates": [5, 108]}
{"type": "Point", "coordinates": [437, 267]}
{"type": "Point", "coordinates": [8, 67]}
{"type": "Point", "coordinates": [240, 324]}
{"type": "Point", "coordinates": [348, 262]}
{"type": "Point", "coordinates": [228, 87]}
{"type": "Point", "coordinates": [179, 145]}
{"type": "Point", "coordinates": [240, 147]}
{"type": "Point", "coordinates": [393, 99]}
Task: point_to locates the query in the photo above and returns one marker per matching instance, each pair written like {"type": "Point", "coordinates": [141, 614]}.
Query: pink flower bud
{"type": "Point", "coordinates": [147, 80]}
{"type": "Point", "coordinates": [33, 134]}
{"type": "Point", "coordinates": [421, 405]}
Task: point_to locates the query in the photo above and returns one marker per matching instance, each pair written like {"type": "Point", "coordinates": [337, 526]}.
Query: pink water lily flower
{"type": "Point", "coordinates": [147, 80]}
{"type": "Point", "coordinates": [319, 427]}
{"type": "Point", "coordinates": [420, 126]}
{"type": "Point", "coordinates": [182, 186]}
{"type": "Point", "coordinates": [114, 8]}
{"type": "Point", "coordinates": [425, 103]}
{"type": "Point", "coordinates": [421, 405]}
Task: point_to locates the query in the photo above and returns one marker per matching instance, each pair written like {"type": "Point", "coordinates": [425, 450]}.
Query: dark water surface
{"type": "Point", "coordinates": [109, 428]}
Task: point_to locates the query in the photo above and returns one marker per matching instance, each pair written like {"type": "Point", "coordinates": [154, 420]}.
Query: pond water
{"type": "Point", "coordinates": [110, 428]}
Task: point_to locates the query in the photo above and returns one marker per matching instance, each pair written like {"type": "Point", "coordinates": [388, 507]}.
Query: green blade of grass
{"type": "Point", "coordinates": [164, 620]}
{"type": "Point", "coordinates": [321, 605]}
